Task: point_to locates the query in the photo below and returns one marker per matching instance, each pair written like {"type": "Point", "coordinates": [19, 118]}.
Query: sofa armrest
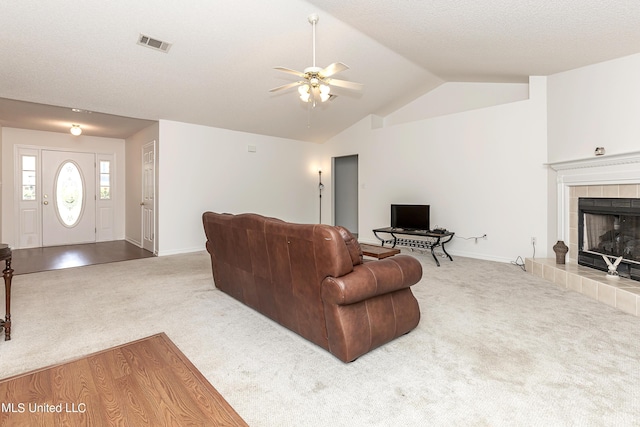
{"type": "Point", "coordinates": [372, 279]}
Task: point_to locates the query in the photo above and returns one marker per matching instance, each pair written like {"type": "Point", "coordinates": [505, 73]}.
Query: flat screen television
{"type": "Point", "coordinates": [410, 217]}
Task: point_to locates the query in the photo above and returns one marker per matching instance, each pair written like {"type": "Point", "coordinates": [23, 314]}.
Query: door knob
{"type": "Point", "coordinates": [46, 202]}
{"type": "Point", "coordinates": [141, 203]}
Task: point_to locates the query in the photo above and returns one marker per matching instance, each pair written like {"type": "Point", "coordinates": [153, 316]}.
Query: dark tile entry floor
{"type": "Point", "coordinates": [57, 257]}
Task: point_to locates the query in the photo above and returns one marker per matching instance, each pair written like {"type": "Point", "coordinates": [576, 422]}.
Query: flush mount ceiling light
{"type": "Point", "coordinates": [316, 82]}
{"type": "Point", "coordinates": [75, 130]}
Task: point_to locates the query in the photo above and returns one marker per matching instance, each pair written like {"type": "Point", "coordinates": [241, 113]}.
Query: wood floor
{"type": "Point", "coordinates": [56, 257]}
{"type": "Point", "coordinates": [148, 382]}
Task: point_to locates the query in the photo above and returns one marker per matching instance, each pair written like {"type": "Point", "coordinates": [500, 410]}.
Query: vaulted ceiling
{"type": "Point", "coordinates": [219, 68]}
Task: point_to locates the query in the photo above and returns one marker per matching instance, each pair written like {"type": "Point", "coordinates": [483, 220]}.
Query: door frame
{"type": "Point", "coordinates": [35, 207]}
{"type": "Point", "coordinates": [154, 240]}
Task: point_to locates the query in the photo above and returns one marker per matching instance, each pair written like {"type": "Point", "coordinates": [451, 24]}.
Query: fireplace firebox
{"type": "Point", "coordinates": [611, 227]}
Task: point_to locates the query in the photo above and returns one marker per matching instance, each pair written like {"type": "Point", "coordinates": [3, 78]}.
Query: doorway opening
{"type": "Point", "coordinates": [345, 192]}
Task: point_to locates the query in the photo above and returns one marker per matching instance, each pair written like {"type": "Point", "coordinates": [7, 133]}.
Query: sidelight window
{"type": "Point", "coordinates": [105, 180]}
{"type": "Point", "coordinates": [28, 177]}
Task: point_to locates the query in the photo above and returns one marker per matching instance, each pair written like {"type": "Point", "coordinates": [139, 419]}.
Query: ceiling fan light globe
{"type": "Point", "coordinates": [324, 93]}
{"type": "Point", "coordinates": [303, 89]}
{"type": "Point", "coordinates": [305, 92]}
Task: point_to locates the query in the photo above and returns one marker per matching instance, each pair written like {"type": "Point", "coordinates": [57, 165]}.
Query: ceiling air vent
{"type": "Point", "coordinates": [153, 43]}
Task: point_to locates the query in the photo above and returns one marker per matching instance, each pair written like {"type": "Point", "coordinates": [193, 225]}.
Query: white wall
{"type": "Point", "coordinates": [54, 140]}
{"type": "Point", "coordinates": [1, 188]}
{"type": "Point", "coordinates": [456, 97]}
{"type": "Point", "coordinates": [133, 152]}
{"type": "Point", "coordinates": [595, 106]}
{"type": "Point", "coordinates": [589, 107]}
{"type": "Point", "coordinates": [482, 171]}
{"type": "Point", "coordinates": [203, 168]}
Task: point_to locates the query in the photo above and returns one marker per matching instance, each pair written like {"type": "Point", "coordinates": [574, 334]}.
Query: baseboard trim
{"type": "Point", "coordinates": [181, 251]}
{"type": "Point", "coordinates": [133, 242]}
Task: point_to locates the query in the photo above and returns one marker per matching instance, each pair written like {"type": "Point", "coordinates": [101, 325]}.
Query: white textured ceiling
{"type": "Point", "coordinates": [83, 54]}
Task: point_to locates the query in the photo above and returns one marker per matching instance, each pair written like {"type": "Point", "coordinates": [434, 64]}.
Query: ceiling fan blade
{"type": "Point", "coordinates": [345, 84]}
{"type": "Point", "coordinates": [332, 69]}
{"type": "Point", "coordinates": [290, 71]}
{"type": "Point", "coordinates": [287, 86]}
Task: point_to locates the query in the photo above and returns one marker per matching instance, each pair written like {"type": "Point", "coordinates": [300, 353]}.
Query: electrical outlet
{"type": "Point", "coordinates": [484, 236]}
{"type": "Point", "coordinates": [533, 240]}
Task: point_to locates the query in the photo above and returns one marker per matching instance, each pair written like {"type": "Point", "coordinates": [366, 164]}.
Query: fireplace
{"type": "Point", "coordinates": [602, 177]}
{"type": "Point", "coordinates": [611, 227]}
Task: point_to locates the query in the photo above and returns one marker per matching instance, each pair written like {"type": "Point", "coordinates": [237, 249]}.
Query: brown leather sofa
{"type": "Point", "coordinates": [311, 279]}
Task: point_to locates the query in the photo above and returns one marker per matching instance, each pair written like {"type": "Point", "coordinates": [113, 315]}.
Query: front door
{"type": "Point", "coordinates": [68, 198]}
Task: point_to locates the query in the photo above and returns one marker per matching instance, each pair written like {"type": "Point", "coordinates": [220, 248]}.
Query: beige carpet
{"type": "Point", "coordinates": [495, 346]}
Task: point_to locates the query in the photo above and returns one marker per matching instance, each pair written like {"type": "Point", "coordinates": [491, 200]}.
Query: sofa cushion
{"type": "Point", "coordinates": [355, 251]}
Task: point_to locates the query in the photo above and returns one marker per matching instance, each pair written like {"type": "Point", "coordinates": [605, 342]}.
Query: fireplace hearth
{"type": "Point", "coordinates": [610, 227]}
{"type": "Point", "coordinates": [602, 177]}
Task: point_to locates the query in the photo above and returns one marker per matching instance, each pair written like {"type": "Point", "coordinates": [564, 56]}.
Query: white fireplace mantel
{"type": "Point", "coordinates": [600, 170]}
{"type": "Point", "coordinates": [614, 167]}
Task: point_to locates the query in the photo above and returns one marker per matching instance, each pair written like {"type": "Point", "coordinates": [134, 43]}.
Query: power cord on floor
{"type": "Point", "coordinates": [520, 262]}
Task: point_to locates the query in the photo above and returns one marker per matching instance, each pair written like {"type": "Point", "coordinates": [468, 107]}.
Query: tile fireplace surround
{"type": "Point", "coordinates": [604, 176]}
{"type": "Point", "coordinates": [623, 294]}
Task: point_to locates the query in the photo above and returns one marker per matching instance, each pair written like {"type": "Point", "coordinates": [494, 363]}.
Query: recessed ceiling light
{"type": "Point", "coordinates": [78, 110]}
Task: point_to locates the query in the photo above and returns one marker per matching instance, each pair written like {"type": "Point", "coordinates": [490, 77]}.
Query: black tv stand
{"type": "Point", "coordinates": [431, 239]}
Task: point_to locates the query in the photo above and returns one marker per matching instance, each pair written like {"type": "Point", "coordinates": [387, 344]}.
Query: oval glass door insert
{"type": "Point", "coordinates": [69, 194]}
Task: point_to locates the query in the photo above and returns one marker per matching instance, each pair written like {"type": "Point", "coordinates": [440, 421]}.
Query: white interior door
{"type": "Point", "coordinates": [148, 203]}
{"type": "Point", "coordinates": [68, 198]}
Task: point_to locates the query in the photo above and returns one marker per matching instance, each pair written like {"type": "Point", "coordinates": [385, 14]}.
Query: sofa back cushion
{"type": "Point", "coordinates": [355, 251]}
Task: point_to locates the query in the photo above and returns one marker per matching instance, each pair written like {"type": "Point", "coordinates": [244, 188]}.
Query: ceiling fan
{"type": "Point", "coordinates": [316, 82]}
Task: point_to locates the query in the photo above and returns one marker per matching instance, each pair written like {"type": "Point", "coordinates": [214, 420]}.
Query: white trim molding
{"type": "Point", "coordinates": [598, 161]}
{"type": "Point", "coordinates": [600, 170]}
